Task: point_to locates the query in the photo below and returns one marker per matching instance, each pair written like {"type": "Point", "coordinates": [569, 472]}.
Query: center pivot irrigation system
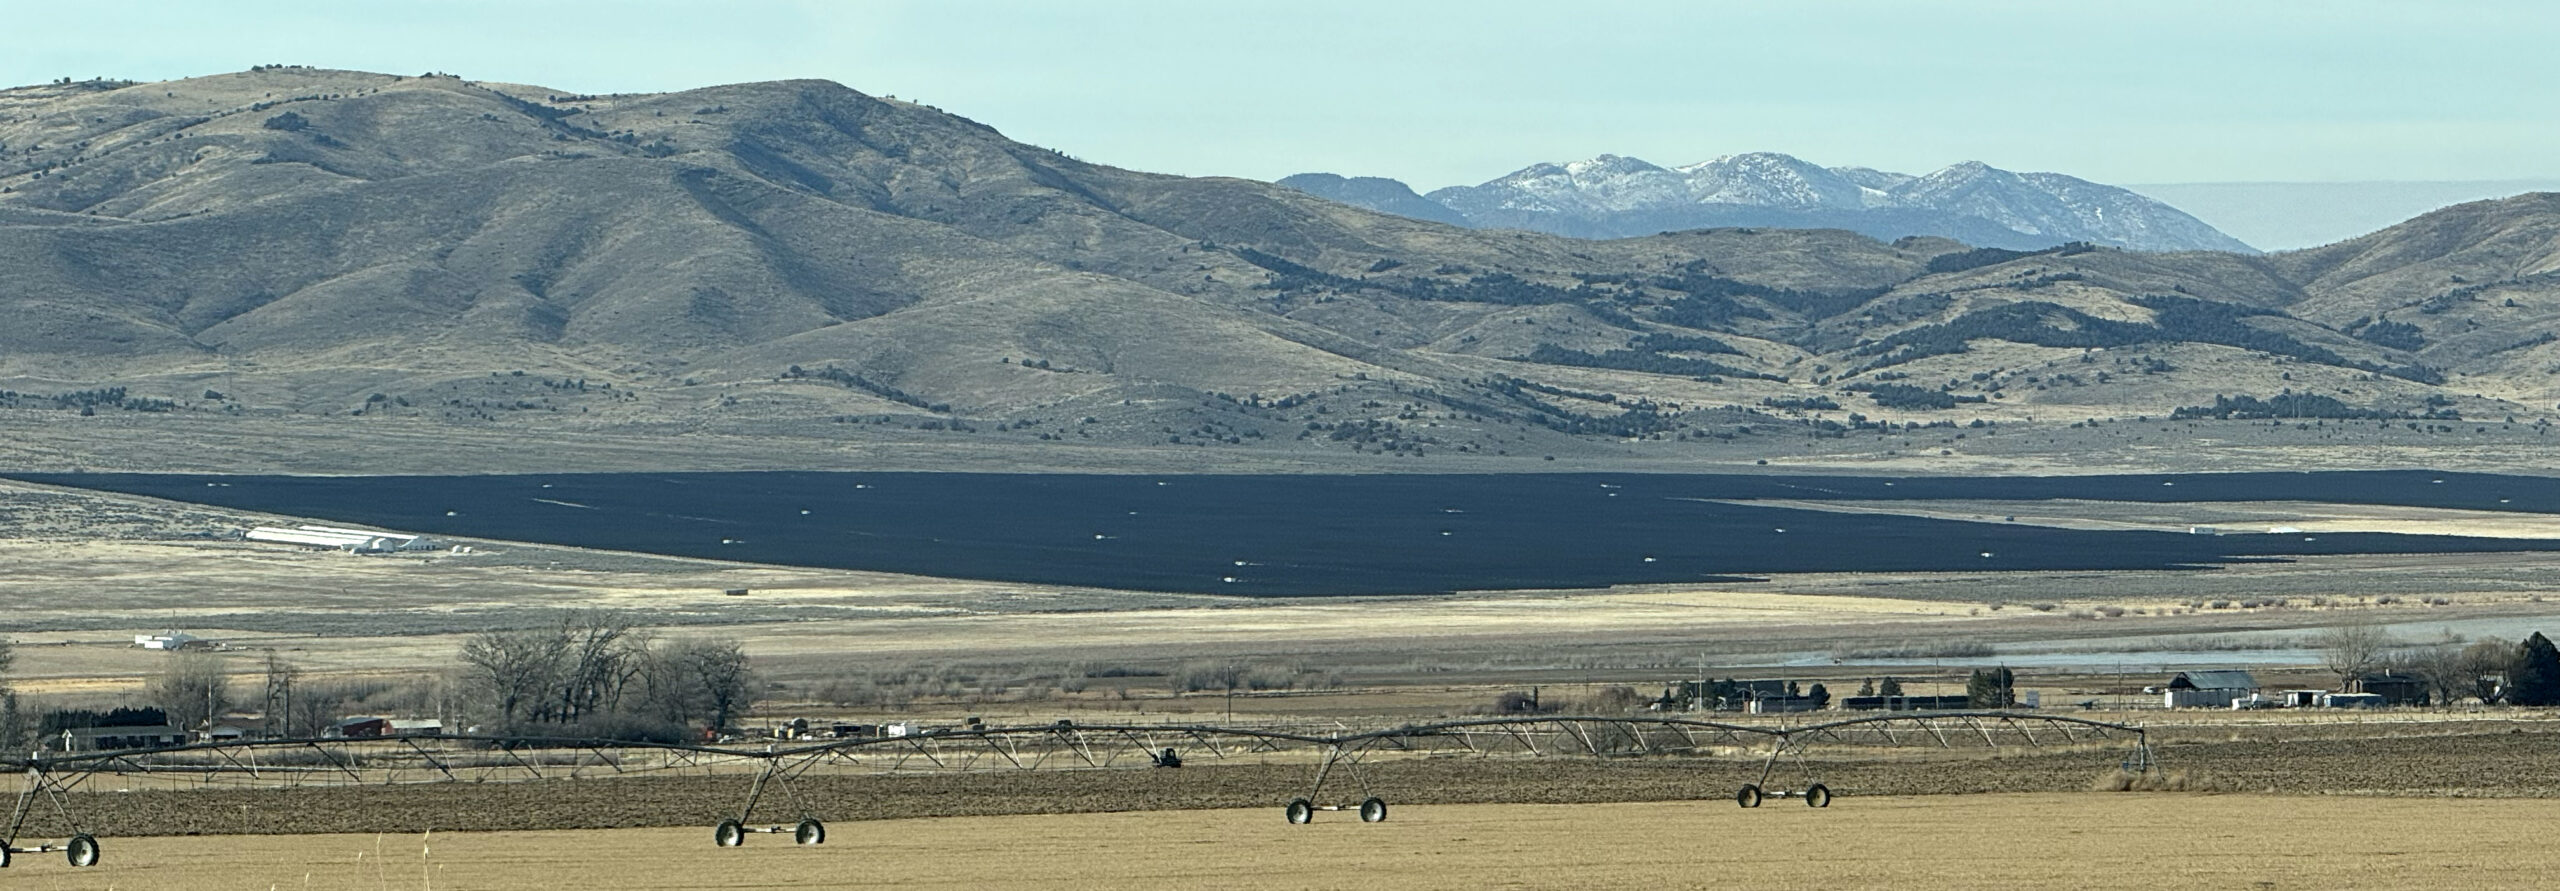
{"type": "Point", "coordinates": [770, 771]}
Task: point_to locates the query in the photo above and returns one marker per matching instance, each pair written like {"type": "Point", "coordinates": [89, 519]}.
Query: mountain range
{"type": "Point", "coordinates": [799, 259]}
{"type": "Point", "coordinates": [1617, 197]}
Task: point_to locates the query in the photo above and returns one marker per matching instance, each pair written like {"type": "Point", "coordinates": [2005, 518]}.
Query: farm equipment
{"type": "Point", "coordinates": [1372, 810]}
{"type": "Point", "coordinates": [1817, 795]}
{"type": "Point", "coordinates": [732, 833]}
{"type": "Point", "coordinates": [81, 849]}
{"type": "Point", "coordinates": [1335, 758]}
{"type": "Point", "coordinates": [1347, 755]}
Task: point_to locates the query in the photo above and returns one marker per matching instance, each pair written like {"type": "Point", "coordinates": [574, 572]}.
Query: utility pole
{"type": "Point", "coordinates": [1698, 696]}
{"type": "Point", "coordinates": [279, 699]}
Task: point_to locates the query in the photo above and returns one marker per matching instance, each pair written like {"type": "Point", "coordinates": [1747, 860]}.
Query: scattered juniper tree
{"type": "Point", "coordinates": [13, 725]}
{"type": "Point", "coordinates": [1991, 688]}
{"type": "Point", "coordinates": [2536, 677]}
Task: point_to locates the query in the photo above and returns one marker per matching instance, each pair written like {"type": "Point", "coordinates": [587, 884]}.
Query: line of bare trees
{"type": "Point", "coordinates": [2490, 669]}
{"type": "Point", "coordinates": [596, 674]}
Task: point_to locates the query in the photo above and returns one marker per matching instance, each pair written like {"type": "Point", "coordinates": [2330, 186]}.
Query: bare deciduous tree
{"type": "Point", "coordinates": [596, 670]}
{"type": "Point", "coordinates": [314, 709]}
{"type": "Point", "coordinates": [2352, 650]}
{"type": "Point", "coordinates": [193, 690]}
{"type": "Point", "coordinates": [604, 654]}
{"type": "Point", "coordinates": [514, 671]}
{"type": "Point", "coordinates": [698, 681]}
{"type": "Point", "coordinates": [278, 706]}
{"type": "Point", "coordinates": [2439, 666]}
{"type": "Point", "coordinates": [1224, 676]}
{"type": "Point", "coordinates": [2485, 665]}
{"type": "Point", "coordinates": [718, 668]}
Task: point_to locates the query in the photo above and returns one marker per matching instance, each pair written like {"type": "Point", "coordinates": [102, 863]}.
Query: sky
{"type": "Point", "coordinates": [1448, 93]}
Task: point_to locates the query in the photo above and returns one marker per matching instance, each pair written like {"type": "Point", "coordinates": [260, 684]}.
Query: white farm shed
{"type": "Point", "coordinates": [172, 640]}
{"type": "Point", "coordinates": [354, 541]}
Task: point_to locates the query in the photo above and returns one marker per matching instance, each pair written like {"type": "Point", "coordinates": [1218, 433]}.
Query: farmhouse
{"type": "Point", "coordinates": [416, 727]}
{"type": "Point", "coordinates": [1779, 704]}
{"type": "Point", "coordinates": [95, 739]}
{"type": "Point", "coordinates": [361, 728]}
{"type": "Point", "coordinates": [377, 727]}
{"type": "Point", "coordinates": [1724, 696]}
{"type": "Point", "coordinates": [2394, 688]}
{"type": "Point", "coordinates": [1905, 703]}
{"type": "Point", "coordinates": [2207, 689]}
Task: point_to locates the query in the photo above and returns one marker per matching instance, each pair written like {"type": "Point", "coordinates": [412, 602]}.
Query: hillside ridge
{"type": "Point", "coordinates": [800, 259]}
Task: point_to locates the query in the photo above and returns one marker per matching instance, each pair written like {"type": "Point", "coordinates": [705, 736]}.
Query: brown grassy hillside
{"type": "Point", "coordinates": [334, 243]}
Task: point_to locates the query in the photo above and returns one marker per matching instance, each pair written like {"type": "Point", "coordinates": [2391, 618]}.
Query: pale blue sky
{"type": "Point", "coordinates": [1442, 93]}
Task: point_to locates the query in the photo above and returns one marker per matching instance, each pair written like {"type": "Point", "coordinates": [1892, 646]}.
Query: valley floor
{"type": "Point", "coordinates": [96, 569]}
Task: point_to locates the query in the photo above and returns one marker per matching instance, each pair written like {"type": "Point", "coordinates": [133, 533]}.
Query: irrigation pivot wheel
{"type": "Point", "coordinates": [1749, 796]}
{"type": "Point", "coordinates": [730, 834]}
{"type": "Point", "coordinates": [811, 832]}
{"type": "Point", "coordinates": [1301, 811]}
{"type": "Point", "coordinates": [1373, 810]}
{"type": "Point", "coordinates": [82, 851]}
{"type": "Point", "coordinates": [1818, 795]}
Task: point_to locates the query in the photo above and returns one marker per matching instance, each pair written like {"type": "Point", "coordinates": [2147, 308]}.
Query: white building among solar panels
{"type": "Point", "coordinates": [353, 541]}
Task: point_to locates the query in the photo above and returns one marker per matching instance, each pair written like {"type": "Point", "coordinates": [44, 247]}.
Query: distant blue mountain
{"type": "Point", "coordinates": [1375, 193]}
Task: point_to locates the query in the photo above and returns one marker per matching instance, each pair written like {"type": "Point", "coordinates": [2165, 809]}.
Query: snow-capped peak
{"type": "Point", "coordinates": [1769, 179]}
{"type": "Point", "coordinates": [1608, 183]}
{"type": "Point", "coordinates": [1608, 166]}
{"type": "Point", "coordinates": [1970, 200]}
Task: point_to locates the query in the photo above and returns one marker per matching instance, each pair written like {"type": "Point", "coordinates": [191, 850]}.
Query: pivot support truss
{"type": "Point", "coordinates": [1332, 757]}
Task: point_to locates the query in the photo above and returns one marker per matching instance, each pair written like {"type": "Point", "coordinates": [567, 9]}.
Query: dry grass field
{"type": "Point", "coordinates": [2051, 840]}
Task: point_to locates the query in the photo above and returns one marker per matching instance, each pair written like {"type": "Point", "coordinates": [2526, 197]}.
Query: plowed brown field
{"type": "Point", "coordinates": [2449, 758]}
